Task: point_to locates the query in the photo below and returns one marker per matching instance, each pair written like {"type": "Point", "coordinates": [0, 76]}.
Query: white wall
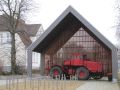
{"type": "Point", "coordinates": [21, 51]}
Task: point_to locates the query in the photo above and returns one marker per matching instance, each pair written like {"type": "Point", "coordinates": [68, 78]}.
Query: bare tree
{"type": "Point", "coordinates": [13, 11]}
{"type": "Point", "coordinates": [117, 26]}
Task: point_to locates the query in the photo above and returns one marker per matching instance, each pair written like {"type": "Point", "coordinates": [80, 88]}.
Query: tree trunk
{"type": "Point", "coordinates": [13, 53]}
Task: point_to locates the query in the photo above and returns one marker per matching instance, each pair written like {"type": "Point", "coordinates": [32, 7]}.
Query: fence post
{"type": "Point", "coordinates": [43, 84]}
{"type": "Point", "coordinates": [52, 83]}
{"type": "Point", "coordinates": [38, 83]}
{"type": "Point", "coordinates": [64, 82]}
{"type": "Point", "coordinates": [17, 83]}
{"type": "Point", "coordinates": [6, 83]}
{"type": "Point", "coordinates": [9, 84]}
{"type": "Point", "coordinates": [32, 84]}
{"type": "Point", "coordinates": [25, 83]}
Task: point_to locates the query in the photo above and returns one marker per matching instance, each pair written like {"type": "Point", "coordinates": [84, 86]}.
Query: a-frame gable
{"type": "Point", "coordinates": [81, 19]}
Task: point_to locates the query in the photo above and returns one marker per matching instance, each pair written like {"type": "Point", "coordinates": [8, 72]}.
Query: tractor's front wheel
{"type": "Point", "coordinates": [82, 73]}
{"type": "Point", "coordinates": [56, 71]}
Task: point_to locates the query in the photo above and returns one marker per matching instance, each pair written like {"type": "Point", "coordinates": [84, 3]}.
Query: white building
{"type": "Point", "coordinates": [26, 34]}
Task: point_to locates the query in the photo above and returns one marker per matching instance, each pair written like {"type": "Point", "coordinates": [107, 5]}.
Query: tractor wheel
{"type": "Point", "coordinates": [82, 73]}
{"type": "Point", "coordinates": [56, 71]}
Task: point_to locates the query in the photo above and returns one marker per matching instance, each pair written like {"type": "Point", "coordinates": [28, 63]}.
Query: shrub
{"type": "Point", "coordinates": [6, 73]}
{"type": "Point", "coordinates": [19, 70]}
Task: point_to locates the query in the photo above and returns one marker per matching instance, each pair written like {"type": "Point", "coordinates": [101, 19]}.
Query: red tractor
{"type": "Point", "coordinates": [80, 66]}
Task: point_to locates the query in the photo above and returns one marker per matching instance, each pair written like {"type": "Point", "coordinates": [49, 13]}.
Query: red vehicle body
{"type": "Point", "coordinates": [80, 66]}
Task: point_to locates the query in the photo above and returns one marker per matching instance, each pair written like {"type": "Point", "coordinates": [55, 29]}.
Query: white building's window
{"type": "Point", "coordinates": [36, 60]}
{"type": "Point", "coordinates": [1, 38]}
{"type": "Point", "coordinates": [8, 39]}
{"type": "Point", "coordinates": [5, 38]}
{"type": "Point", "coordinates": [36, 57]}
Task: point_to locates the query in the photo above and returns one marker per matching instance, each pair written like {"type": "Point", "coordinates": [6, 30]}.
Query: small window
{"type": "Point", "coordinates": [84, 57]}
{"type": "Point", "coordinates": [5, 38]}
{"type": "Point", "coordinates": [1, 38]}
{"type": "Point", "coordinates": [81, 57]}
{"type": "Point", "coordinates": [8, 38]}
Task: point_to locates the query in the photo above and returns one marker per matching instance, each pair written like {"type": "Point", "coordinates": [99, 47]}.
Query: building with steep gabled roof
{"type": "Point", "coordinates": [25, 35]}
{"type": "Point", "coordinates": [72, 33]}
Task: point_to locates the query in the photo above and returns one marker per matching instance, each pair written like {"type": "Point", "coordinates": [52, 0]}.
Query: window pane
{"type": "Point", "coordinates": [8, 38]}
{"type": "Point", "coordinates": [1, 38]}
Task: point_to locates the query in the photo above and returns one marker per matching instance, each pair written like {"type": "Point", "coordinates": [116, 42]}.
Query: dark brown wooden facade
{"type": "Point", "coordinates": [70, 44]}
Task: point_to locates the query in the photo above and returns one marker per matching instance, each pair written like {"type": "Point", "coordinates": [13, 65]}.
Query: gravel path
{"type": "Point", "coordinates": [2, 82]}
{"type": "Point", "coordinates": [99, 85]}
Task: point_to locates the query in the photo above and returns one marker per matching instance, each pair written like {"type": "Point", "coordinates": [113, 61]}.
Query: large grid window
{"type": "Point", "coordinates": [81, 43]}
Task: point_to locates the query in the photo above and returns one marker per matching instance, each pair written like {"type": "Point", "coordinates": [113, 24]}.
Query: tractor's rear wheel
{"type": "Point", "coordinates": [82, 73]}
{"type": "Point", "coordinates": [56, 71]}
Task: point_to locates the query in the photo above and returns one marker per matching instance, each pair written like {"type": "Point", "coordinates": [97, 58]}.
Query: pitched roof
{"type": "Point", "coordinates": [63, 19]}
{"type": "Point", "coordinates": [25, 31]}
{"type": "Point", "coordinates": [32, 29]}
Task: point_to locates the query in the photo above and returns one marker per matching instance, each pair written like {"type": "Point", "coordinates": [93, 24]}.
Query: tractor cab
{"type": "Point", "coordinates": [79, 56]}
{"type": "Point", "coordinates": [76, 59]}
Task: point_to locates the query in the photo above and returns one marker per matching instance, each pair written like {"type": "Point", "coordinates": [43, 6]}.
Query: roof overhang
{"type": "Point", "coordinates": [61, 22]}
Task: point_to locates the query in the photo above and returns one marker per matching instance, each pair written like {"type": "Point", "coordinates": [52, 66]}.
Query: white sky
{"type": "Point", "coordinates": [100, 13]}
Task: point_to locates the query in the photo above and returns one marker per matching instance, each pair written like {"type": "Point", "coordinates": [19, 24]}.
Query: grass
{"type": "Point", "coordinates": [43, 85]}
{"type": "Point", "coordinates": [119, 79]}
{"type": "Point", "coordinates": [119, 84]}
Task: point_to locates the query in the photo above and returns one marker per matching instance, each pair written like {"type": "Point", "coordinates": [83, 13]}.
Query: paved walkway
{"type": "Point", "coordinates": [99, 85]}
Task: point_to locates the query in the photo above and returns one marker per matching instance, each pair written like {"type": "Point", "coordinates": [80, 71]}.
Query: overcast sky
{"type": "Point", "coordinates": [100, 13]}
